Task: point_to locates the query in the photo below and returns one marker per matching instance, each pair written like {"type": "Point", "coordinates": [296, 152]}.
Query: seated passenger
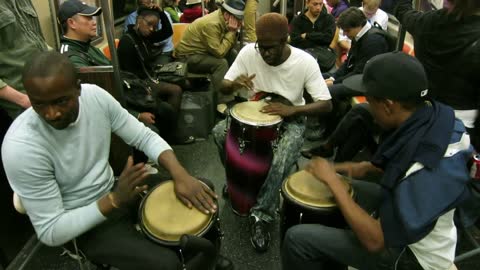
{"type": "Point", "coordinates": [422, 165]}
{"type": "Point", "coordinates": [135, 56]}
{"type": "Point", "coordinates": [338, 6]}
{"type": "Point", "coordinates": [171, 7]}
{"type": "Point", "coordinates": [193, 11]}
{"type": "Point", "coordinates": [275, 67]}
{"type": "Point", "coordinates": [66, 183]}
{"type": "Point", "coordinates": [79, 27]}
{"type": "Point", "coordinates": [313, 31]}
{"type": "Point", "coordinates": [374, 14]}
{"type": "Point", "coordinates": [163, 49]}
{"type": "Point", "coordinates": [364, 46]}
{"type": "Point", "coordinates": [208, 41]}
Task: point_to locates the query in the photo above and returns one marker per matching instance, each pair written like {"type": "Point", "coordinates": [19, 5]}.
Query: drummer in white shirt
{"type": "Point", "coordinates": [275, 67]}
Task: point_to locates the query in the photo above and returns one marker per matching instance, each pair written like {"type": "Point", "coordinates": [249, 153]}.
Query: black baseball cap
{"type": "Point", "coordinates": [394, 75]}
{"type": "Point", "coordinates": [71, 8]}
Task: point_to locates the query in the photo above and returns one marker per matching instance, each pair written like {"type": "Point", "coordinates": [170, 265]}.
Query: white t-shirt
{"type": "Point", "coordinates": [436, 251]}
{"type": "Point", "coordinates": [300, 71]}
{"type": "Point", "coordinates": [381, 17]}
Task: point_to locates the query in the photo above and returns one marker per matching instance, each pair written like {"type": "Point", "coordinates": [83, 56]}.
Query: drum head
{"type": "Point", "coordinates": [305, 189]}
{"type": "Point", "coordinates": [249, 113]}
{"type": "Point", "coordinates": [166, 218]}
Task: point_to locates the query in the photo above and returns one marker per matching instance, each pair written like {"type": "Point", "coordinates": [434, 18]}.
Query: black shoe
{"type": "Point", "coordinates": [319, 151]}
{"type": "Point", "coordinates": [259, 235]}
{"type": "Point", "coordinates": [223, 263]}
{"type": "Point", "coordinates": [225, 191]}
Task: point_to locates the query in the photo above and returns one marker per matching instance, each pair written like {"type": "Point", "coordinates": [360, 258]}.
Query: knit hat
{"type": "Point", "coordinates": [272, 26]}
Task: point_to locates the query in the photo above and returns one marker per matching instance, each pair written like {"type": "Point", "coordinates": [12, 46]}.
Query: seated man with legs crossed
{"type": "Point", "coordinates": [313, 31]}
{"type": "Point", "coordinates": [65, 182]}
{"type": "Point", "coordinates": [423, 178]}
{"type": "Point", "coordinates": [275, 67]}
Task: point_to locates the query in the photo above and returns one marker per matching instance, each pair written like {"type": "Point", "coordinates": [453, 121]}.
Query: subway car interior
{"type": "Point", "coordinates": [234, 171]}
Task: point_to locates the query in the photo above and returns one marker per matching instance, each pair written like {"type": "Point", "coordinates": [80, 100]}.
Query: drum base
{"type": "Point", "coordinates": [293, 214]}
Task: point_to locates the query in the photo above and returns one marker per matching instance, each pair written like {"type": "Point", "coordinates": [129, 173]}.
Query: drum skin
{"type": "Point", "coordinates": [164, 218]}
{"type": "Point", "coordinates": [246, 168]}
{"type": "Point", "coordinates": [301, 207]}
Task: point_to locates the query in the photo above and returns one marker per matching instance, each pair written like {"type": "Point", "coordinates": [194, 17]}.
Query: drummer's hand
{"type": "Point", "coordinates": [244, 81]}
{"type": "Point", "coordinates": [279, 109]}
{"type": "Point", "coordinates": [322, 169]}
{"type": "Point", "coordinates": [192, 192]}
{"type": "Point", "coordinates": [354, 169]}
{"type": "Point", "coordinates": [129, 183]}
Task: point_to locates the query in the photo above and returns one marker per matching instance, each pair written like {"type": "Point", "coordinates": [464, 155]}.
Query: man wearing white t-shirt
{"type": "Point", "coordinates": [272, 66]}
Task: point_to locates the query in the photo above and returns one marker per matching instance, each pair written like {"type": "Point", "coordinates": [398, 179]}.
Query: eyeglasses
{"type": "Point", "coordinates": [264, 49]}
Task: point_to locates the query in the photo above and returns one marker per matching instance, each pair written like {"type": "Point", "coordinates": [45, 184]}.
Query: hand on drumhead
{"type": "Point", "coordinates": [281, 109]}
{"type": "Point", "coordinates": [356, 169]}
{"type": "Point", "coordinates": [322, 169]}
{"type": "Point", "coordinates": [130, 182]}
{"type": "Point", "coordinates": [193, 193]}
{"type": "Point", "coordinates": [245, 81]}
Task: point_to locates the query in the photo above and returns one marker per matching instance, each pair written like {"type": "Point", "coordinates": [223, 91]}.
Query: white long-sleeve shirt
{"type": "Point", "coordinates": [60, 174]}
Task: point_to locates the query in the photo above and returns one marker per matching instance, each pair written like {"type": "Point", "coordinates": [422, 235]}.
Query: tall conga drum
{"type": "Point", "coordinates": [306, 200]}
{"type": "Point", "coordinates": [250, 142]}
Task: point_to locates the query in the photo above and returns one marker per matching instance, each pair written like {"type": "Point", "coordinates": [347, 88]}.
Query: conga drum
{"type": "Point", "coordinates": [306, 200]}
{"type": "Point", "coordinates": [250, 142]}
{"type": "Point", "coordinates": [164, 218]}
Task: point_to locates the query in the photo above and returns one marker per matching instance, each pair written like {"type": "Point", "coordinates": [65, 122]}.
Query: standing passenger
{"type": "Point", "coordinates": [20, 38]}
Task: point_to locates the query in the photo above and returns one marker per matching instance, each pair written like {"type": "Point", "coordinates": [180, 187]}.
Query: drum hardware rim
{"type": "Point", "coordinates": [256, 125]}
{"type": "Point", "coordinates": [309, 206]}
{"type": "Point", "coordinates": [156, 239]}
{"type": "Point", "coordinates": [300, 218]}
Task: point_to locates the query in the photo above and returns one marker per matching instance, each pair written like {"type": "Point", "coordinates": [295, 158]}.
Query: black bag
{"type": "Point", "coordinates": [325, 57]}
{"type": "Point", "coordinates": [389, 37]}
{"type": "Point", "coordinates": [138, 94]}
{"type": "Point", "coordinates": [173, 72]}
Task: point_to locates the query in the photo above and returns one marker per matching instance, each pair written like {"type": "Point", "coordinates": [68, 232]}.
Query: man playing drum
{"type": "Point", "coordinates": [64, 180]}
{"type": "Point", "coordinates": [423, 177]}
{"type": "Point", "coordinates": [270, 65]}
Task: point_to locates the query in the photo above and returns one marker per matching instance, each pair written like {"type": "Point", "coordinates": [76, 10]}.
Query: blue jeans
{"type": "Point", "coordinates": [314, 246]}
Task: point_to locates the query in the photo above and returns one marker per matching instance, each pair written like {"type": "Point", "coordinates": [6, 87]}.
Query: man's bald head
{"type": "Point", "coordinates": [272, 26]}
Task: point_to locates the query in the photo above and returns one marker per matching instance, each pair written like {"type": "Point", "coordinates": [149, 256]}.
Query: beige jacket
{"type": "Point", "coordinates": [207, 35]}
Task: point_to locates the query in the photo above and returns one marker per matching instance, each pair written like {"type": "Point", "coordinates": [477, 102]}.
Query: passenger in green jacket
{"type": "Point", "coordinates": [20, 38]}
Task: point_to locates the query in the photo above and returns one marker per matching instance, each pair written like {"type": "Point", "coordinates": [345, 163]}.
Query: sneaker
{"type": "Point", "coordinates": [259, 234]}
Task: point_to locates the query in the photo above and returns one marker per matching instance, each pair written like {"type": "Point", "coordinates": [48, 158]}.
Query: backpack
{"type": "Point", "coordinates": [389, 37]}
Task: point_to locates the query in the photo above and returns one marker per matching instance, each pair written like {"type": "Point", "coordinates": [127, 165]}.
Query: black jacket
{"type": "Point", "coordinates": [440, 41]}
{"type": "Point", "coordinates": [360, 52]}
{"type": "Point", "coordinates": [136, 52]}
{"type": "Point", "coordinates": [319, 34]}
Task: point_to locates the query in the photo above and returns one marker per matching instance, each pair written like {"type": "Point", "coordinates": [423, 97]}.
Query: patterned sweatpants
{"type": "Point", "coordinates": [284, 158]}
